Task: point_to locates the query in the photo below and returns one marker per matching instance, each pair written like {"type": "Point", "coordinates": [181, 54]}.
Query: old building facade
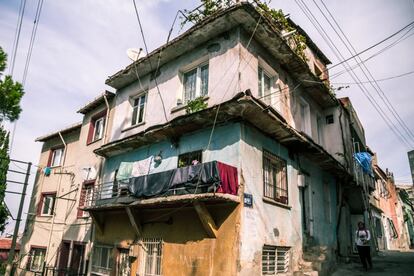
{"type": "Point", "coordinates": [230, 157]}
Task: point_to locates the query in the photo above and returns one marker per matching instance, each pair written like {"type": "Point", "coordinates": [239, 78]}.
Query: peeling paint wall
{"type": "Point", "coordinates": [278, 224]}
{"type": "Point", "coordinates": [70, 178]}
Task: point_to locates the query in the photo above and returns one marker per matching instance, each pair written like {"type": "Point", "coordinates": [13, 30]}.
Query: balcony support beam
{"type": "Point", "coordinates": [99, 224]}
{"type": "Point", "coordinates": [206, 219]}
{"type": "Point", "coordinates": [136, 225]}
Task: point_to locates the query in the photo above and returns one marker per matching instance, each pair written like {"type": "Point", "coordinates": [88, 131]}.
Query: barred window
{"type": "Point", "coordinates": [275, 178]}
{"type": "Point", "coordinates": [275, 259]}
{"type": "Point", "coordinates": [150, 261]}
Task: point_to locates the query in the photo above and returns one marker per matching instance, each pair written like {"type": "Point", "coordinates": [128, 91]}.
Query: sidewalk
{"type": "Point", "coordinates": [387, 263]}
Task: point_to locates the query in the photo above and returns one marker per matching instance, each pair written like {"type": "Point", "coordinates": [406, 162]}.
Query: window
{"type": "Point", "coordinates": [138, 109]}
{"type": "Point", "coordinates": [55, 157]}
{"type": "Point", "coordinates": [319, 126]}
{"type": "Point", "coordinates": [393, 231]}
{"type": "Point", "coordinates": [189, 158]}
{"type": "Point", "coordinates": [304, 117]}
{"type": "Point", "coordinates": [275, 178]}
{"type": "Point", "coordinates": [275, 260]}
{"type": "Point", "coordinates": [195, 83]}
{"type": "Point", "coordinates": [329, 119]}
{"type": "Point", "coordinates": [102, 260]}
{"type": "Point", "coordinates": [265, 86]}
{"type": "Point", "coordinates": [96, 127]}
{"type": "Point", "coordinates": [36, 258]}
{"type": "Point", "coordinates": [46, 205]}
{"type": "Point", "coordinates": [86, 197]}
{"type": "Point", "coordinates": [150, 261]}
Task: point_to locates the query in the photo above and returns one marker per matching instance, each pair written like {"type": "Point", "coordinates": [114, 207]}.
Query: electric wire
{"type": "Point", "coordinates": [377, 80]}
{"type": "Point", "coordinates": [17, 35]}
{"type": "Point", "coordinates": [369, 48]}
{"type": "Point", "coordinates": [367, 73]}
{"type": "Point", "coordinates": [340, 57]}
{"type": "Point", "coordinates": [149, 60]}
{"type": "Point", "coordinates": [401, 39]}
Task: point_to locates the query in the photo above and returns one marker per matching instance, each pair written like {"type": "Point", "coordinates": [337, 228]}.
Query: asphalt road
{"type": "Point", "coordinates": [387, 263]}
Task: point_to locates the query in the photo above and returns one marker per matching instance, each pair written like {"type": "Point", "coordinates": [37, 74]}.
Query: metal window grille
{"type": "Point", "coordinates": [275, 259]}
{"type": "Point", "coordinates": [275, 178]}
{"type": "Point", "coordinates": [151, 257]}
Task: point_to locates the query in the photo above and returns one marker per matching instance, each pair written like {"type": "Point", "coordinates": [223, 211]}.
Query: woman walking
{"type": "Point", "coordinates": [362, 240]}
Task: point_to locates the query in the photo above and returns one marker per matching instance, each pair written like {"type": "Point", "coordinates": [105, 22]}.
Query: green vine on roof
{"type": "Point", "coordinates": [297, 41]}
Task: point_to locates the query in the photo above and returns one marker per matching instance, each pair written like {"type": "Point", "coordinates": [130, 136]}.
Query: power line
{"type": "Point", "coordinates": [369, 48]}
{"type": "Point", "coordinates": [17, 35]}
{"type": "Point", "coordinates": [370, 78]}
{"type": "Point", "coordinates": [401, 39]}
{"type": "Point", "coordinates": [338, 54]}
{"type": "Point", "coordinates": [149, 60]}
{"type": "Point", "coordinates": [377, 80]}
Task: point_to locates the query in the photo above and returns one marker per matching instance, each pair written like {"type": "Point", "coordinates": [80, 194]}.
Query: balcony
{"type": "Point", "coordinates": [363, 177]}
{"type": "Point", "coordinates": [211, 181]}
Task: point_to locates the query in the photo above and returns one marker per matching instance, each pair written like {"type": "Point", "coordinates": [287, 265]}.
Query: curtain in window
{"type": "Point", "coordinates": [190, 85]}
{"type": "Point", "coordinates": [204, 80]}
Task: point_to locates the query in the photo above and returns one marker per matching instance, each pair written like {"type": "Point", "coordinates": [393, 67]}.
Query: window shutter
{"type": "Point", "coordinates": [39, 205]}
{"type": "Point", "coordinates": [90, 133]}
{"type": "Point", "coordinates": [49, 161]}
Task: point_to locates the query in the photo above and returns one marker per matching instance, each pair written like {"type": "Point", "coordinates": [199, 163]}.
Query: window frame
{"type": "Point", "coordinates": [52, 156]}
{"type": "Point", "coordinates": [198, 81]}
{"type": "Point", "coordinates": [305, 123]}
{"type": "Point", "coordinates": [41, 204]}
{"type": "Point", "coordinates": [97, 269]}
{"type": "Point", "coordinates": [31, 256]}
{"type": "Point", "coordinates": [188, 155]}
{"type": "Point", "coordinates": [92, 127]}
{"type": "Point", "coordinates": [270, 262]}
{"type": "Point", "coordinates": [272, 162]}
{"type": "Point", "coordinates": [146, 258]}
{"type": "Point", "coordinates": [139, 95]}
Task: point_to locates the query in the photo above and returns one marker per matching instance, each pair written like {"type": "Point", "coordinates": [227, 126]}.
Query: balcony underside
{"type": "Point", "coordinates": [242, 107]}
{"type": "Point", "coordinates": [174, 201]}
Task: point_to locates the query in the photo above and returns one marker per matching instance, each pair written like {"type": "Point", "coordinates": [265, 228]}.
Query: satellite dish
{"type": "Point", "coordinates": [88, 173]}
{"type": "Point", "coordinates": [134, 54]}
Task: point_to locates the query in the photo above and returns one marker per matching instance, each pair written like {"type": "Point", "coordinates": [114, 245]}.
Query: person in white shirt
{"type": "Point", "coordinates": [362, 240]}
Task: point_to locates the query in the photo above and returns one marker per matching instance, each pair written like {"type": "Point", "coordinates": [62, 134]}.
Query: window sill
{"type": "Point", "coordinates": [45, 216]}
{"type": "Point", "coordinates": [94, 141]}
{"type": "Point", "coordinates": [276, 203]}
{"type": "Point", "coordinates": [184, 106]}
{"type": "Point", "coordinates": [132, 127]}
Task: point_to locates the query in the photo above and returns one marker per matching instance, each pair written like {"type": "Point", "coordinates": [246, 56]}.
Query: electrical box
{"type": "Point", "coordinates": [134, 251]}
{"type": "Point", "coordinates": [301, 180]}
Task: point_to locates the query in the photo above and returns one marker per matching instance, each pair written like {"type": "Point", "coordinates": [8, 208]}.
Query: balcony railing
{"type": "Point", "coordinates": [210, 177]}
{"type": "Point", "coordinates": [363, 178]}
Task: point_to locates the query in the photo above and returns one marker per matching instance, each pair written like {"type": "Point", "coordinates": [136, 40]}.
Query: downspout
{"type": "Point", "coordinates": [56, 200]}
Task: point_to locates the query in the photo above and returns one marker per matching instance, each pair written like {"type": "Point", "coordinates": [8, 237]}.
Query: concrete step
{"type": "Point", "coordinates": [306, 273]}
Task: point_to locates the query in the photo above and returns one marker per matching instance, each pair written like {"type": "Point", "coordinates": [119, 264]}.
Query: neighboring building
{"type": "Point", "coordinates": [406, 197]}
{"type": "Point", "coordinates": [58, 231]}
{"type": "Point", "coordinates": [411, 161]}
{"type": "Point", "coordinates": [5, 246]}
{"type": "Point", "coordinates": [263, 179]}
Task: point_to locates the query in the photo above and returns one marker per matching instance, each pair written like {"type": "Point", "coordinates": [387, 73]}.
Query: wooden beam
{"type": "Point", "coordinates": [99, 224]}
{"type": "Point", "coordinates": [134, 222]}
{"type": "Point", "coordinates": [206, 219]}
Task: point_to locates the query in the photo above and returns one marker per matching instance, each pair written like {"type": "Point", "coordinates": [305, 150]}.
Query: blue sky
{"type": "Point", "coordinates": [80, 43]}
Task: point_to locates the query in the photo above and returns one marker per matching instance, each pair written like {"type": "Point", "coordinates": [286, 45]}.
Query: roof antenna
{"type": "Point", "coordinates": [135, 54]}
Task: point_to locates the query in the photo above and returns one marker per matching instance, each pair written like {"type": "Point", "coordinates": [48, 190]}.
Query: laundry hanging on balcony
{"type": "Point", "coordinates": [201, 178]}
{"type": "Point", "coordinates": [365, 160]}
{"type": "Point", "coordinates": [134, 169]}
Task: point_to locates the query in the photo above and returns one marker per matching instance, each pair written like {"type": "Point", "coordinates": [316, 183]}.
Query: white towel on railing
{"type": "Point", "coordinates": [142, 167]}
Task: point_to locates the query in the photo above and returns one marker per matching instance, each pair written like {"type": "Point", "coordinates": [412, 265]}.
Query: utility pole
{"type": "Point", "coordinates": [18, 219]}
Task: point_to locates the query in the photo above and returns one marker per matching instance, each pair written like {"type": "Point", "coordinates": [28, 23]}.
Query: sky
{"type": "Point", "coordinates": [80, 43]}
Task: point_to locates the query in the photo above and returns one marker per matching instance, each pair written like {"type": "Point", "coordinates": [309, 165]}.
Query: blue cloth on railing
{"type": "Point", "coordinates": [365, 160]}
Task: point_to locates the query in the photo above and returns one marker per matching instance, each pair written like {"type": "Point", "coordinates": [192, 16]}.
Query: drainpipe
{"type": "Point", "coordinates": [55, 205]}
{"type": "Point", "coordinates": [106, 119]}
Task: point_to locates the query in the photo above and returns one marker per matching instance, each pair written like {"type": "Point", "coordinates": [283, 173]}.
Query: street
{"type": "Point", "coordinates": [386, 263]}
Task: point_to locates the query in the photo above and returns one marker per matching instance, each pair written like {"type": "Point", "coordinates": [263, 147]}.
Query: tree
{"type": "Point", "coordinates": [11, 93]}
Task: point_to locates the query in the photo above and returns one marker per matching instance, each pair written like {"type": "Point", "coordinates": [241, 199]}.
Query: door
{"type": "Point", "coordinates": [307, 212]}
{"type": "Point", "coordinates": [76, 263]}
{"type": "Point", "coordinates": [63, 257]}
